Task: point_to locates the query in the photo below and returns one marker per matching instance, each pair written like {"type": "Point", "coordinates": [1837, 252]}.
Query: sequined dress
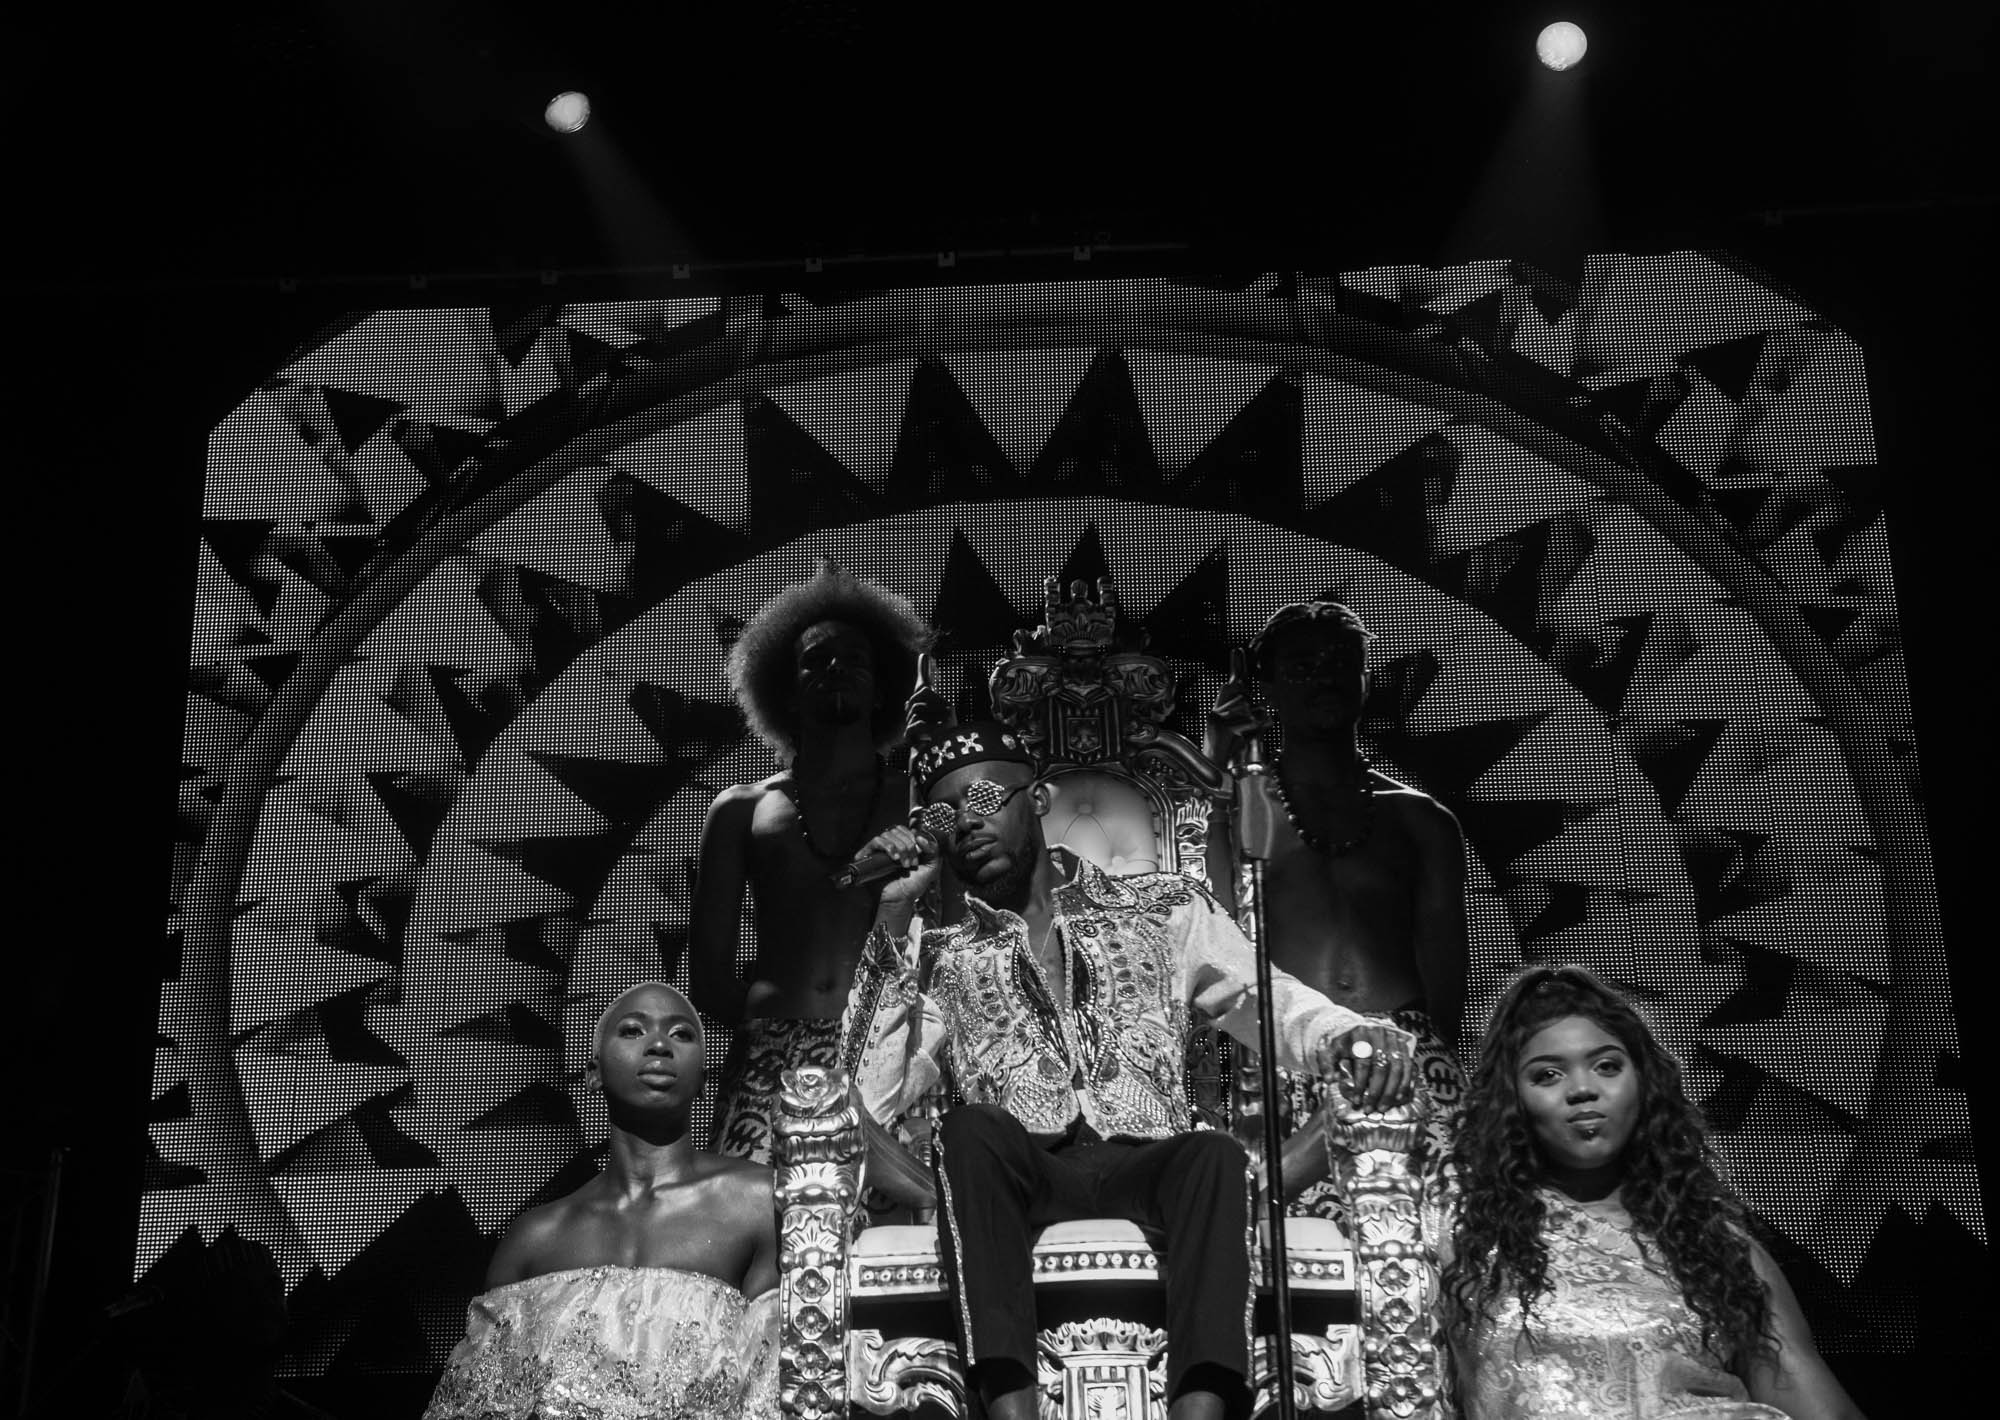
{"type": "Point", "coordinates": [614, 1343]}
{"type": "Point", "coordinates": [1614, 1340]}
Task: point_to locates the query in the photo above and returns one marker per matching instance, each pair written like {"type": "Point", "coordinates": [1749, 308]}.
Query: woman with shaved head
{"type": "Point", "coordinates": [651, 1290]}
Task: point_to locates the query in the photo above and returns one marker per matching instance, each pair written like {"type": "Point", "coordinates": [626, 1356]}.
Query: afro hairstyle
{"type": "Point", "coordinates": [763, 664]}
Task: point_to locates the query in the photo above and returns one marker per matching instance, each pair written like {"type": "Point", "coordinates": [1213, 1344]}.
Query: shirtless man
{"type": "Point", "coordinates": [685, 1240]}
{"type": "Point", "coordinates": [1365, 887]}
{"type": "Point", "coordinates": [821, 672]}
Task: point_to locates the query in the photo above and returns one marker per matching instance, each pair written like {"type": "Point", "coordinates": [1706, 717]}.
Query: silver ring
{"type": "Point", "coordinates": [1361, 1049]}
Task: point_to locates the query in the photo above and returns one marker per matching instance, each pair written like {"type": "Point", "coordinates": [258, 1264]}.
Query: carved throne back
{"type": "Point", "coordinates": [1130, 794]}
{"type": "Point", "coordinates": [867, 1321]}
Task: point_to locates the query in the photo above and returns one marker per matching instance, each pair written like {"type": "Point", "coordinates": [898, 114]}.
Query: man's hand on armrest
{"type": "Point", "coordinates": [1382, 1060]}
{"type": "Point", "coordinates": [890, 1166]}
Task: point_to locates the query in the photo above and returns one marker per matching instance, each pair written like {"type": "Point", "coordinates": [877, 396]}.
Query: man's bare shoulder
{"type": "Point", "coordinates": [778, 783]}
{"type": "Point", "coordinates": [1412, 806]}
{"type": "Point", "coordinates": [738, 803]}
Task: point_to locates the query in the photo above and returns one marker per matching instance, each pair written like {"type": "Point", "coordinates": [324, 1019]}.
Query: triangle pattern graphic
{"type": "Point", "coordinates": [1251, 467]}
{"type": "Point", "coordinates": [1020, 394]}
{"type": "Point", "coordinates": [1500, 488]}
{"type": "Point", "coordinates": [1192, 621]}
{"type": "Point", "coordinates": [1643, 312]}
{"type": "Point", "coordinates": [1188, 399]}
{"type": "Point", "coordinates": [1100, 445]}
{"type": "Point", "coordinates": [699, 461]}
{"type": "Point", "coordinates": [1350, 431]}
{"type": "Point", "coordinates": [944, 452]}
{"type": "Point", "coordinates": [561, 531]}
{"type": "Point", "coordinates": [341, 1214]}
{"type": "Point", "coordinates": [358, 417]}
{"type": "Point", "coordinates": [454, 382]}
{"type": "Point", "coordinates": [855, 415]}
{"type": "Point", "coordinates": [673, 545]}
{"type": "Point", "coordinates": [515, 794]}
{"type": "Point", "coordinates": [796, 486]}
{"type": "Point", "coordinates": [260, 467]}
{"type": "Point", "coordinates": [1086, 562]}
{"type": "Point", "coordinates": [971, 611]}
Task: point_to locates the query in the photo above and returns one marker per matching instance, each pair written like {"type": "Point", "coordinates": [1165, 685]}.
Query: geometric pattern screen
{"type": "Point", "coordinates": [456, 702]}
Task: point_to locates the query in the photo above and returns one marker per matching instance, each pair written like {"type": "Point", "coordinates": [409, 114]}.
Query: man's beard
{"type": "Point", "coordinates": [1010, 889]}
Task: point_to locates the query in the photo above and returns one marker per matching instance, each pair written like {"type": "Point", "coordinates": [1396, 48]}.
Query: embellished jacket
{"type": "Point", "coordinates": [1145, 955]}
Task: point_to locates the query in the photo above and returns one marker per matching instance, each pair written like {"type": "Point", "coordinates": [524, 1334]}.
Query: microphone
{"type": "Point", "coordinates": [875, 865]}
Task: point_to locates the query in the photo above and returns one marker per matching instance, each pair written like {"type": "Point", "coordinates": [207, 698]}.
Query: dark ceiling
{"type": "Point", "coordinates": [366, 138]}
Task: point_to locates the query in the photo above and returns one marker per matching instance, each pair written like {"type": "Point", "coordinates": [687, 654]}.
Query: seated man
{"type": "Point", "coordinates": [1065, 997]}
{"type": "Point", "coordinates": [652, 1289]}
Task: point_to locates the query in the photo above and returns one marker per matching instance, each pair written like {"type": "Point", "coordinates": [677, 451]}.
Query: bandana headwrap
{"type": "Point", "coordinates": [974, 742]}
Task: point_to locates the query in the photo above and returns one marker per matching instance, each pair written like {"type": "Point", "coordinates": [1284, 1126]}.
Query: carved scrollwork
{"type": "Point", "coordinates": [1326, 1371]}
{"type": "Point", "coordinates": [1103, 1369]}
{"type": "Point", "coordinates": [818, 1186]}
{"type": "Point", "coordinates": [1395, 1271]}
{"type": "Point", "coordinates": [1191, 836]}
{"type": "Point", "coordinates": [1081, 688]}
{"type": "Point", "coordinates": [903, 1373]}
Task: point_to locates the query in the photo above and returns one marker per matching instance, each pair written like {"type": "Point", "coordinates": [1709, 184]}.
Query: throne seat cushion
{"type": "Point", "coordinates": [902, 1259]}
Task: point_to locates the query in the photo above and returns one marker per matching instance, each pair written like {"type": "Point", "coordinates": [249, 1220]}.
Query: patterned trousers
{"type": "Point", "coordinates": [746, 1099]}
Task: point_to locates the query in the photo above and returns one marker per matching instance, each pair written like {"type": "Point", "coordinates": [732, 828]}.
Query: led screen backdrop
{"type": "Point", "coordinates": [456, 707]}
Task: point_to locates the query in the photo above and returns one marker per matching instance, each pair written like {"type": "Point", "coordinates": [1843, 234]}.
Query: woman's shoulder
{"type": "Point", "coordinates": [741, 1191]}
{"type": "Point", "coordinates": [737, 1177]}
{"type": "Point", "coordinates": [533, 1244]}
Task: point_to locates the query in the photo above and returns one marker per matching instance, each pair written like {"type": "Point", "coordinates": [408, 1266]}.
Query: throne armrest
{"type": "Point", "coordinates": [1396, 1274]}
{"type": "Point", "coordinates": [818, 1191]}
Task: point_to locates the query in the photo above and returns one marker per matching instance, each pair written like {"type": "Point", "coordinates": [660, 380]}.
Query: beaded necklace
{"type": "Point", "coordinates": [1314, 840]}
{"type": "Point", "coordinates": [796, 794]}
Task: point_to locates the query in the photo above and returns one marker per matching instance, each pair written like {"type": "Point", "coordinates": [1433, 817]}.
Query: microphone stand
{"type": "Point", "coordinates": [1256, 816]}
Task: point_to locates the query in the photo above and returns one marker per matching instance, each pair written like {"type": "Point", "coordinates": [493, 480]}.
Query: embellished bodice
{"type": "Point", "coordinates": [1613, 1340]}
{"type": "Point", "coordinates": [1143, 954]}
{"type": "Point", "coordinates": [614, 1343]}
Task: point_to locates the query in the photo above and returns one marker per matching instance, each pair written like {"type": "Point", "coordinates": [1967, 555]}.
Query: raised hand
{"type": "Point", "coordinates": [1232, 720]}
{"type": "Point", "coordinates": [916, 853]}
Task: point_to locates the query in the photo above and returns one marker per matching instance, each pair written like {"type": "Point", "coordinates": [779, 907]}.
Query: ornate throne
{"type": "Point", "coordinates": [867, 1323]}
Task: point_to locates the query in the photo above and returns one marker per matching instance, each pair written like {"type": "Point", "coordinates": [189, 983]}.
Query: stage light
{"type": "Point", "coordinates": [1561, 45]}
{"type": "Point", "coordinates": [567, 112]}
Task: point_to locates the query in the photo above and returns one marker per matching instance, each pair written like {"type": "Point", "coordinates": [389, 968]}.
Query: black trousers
{"type": "Point", "coordinates": [998, 1187]}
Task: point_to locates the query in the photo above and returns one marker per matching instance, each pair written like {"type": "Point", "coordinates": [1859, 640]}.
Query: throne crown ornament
{"type": "Point", "coordinates": [1081, 689]}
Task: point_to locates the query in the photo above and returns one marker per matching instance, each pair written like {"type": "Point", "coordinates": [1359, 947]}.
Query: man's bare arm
{"type": "Point", "coordinates": [1438, 920]}
{"type": "Point", "coordinates": [721, 874]}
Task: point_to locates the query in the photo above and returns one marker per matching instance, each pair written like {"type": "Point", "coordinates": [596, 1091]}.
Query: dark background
{"type": "Point", "coordinates": [202, 192]}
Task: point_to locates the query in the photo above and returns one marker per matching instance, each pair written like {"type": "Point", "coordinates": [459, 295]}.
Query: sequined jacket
{"type": "Point", "coordinates": [1147, 955]}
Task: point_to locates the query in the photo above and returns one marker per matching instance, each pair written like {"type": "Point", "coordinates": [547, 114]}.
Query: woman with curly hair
{"type": "Point", "coordinates": [1597, 1264]}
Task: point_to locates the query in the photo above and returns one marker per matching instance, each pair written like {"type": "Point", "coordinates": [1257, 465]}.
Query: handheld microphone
{"type": "Point", "coordinates": [876, 865]}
